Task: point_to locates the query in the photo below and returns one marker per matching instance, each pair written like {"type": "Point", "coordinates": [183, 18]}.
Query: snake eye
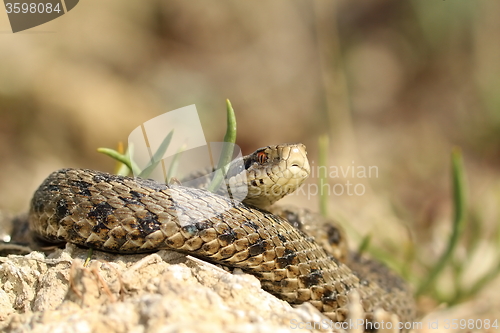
{"type": "Point", "coordinates": [261, 157]}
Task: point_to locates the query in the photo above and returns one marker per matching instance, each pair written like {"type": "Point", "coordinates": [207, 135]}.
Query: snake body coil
{"type": "Point", "coordinates": [127, 215]}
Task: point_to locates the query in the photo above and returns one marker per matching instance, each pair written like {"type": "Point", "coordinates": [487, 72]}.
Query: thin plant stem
{"type": "Point", "coordinates": [227, 150]}
{"type": "Point", "coordinates": [459, 221]}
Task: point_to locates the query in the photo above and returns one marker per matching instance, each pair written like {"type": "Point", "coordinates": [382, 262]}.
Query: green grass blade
{"type": "Point", "coordinates": [123, 169]}
{"type": "Point", "coordinates": [459, 221]}
{"type": "Point", "coordinates": [227, 152]}
{"type": "Point", "coordinates": [118, 156]}
{"type": "Point", "coordinates": [122, 158]}
{"type": "Point", "coordinates": [157, 157]}
{"type": "Point", "coordinates": [365, 243]}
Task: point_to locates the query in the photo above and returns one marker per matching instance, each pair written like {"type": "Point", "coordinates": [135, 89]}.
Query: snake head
{"type": "Point", "coordinates": [271, 173]}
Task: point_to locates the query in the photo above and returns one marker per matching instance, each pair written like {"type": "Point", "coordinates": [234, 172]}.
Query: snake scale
{"type": "Point", "coordinates": [131, 215]}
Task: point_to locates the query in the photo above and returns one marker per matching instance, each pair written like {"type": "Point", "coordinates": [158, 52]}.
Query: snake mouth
{"type": "Point", "coordinates": [298, 170]}
{"type": "Point", "coordinates": [298, 163]}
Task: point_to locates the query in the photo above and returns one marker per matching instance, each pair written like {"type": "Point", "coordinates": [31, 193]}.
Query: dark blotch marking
{"type": "Point", "coordinates": [99, 226]}
{"type": "Point", "coordinates": [314, 278]}
{"type": "Point", "coordinates": [228, 238]}
{"type": "Point", "coordinates": [134, 236]}
{"type": "Point", "coordinates": [84, 192]}
{"type": "Point", "coordinates": [100, 212]}
{"type": "Point", "coordinates": [254, 183]}
{"type": "Point", "coordinates": [251, 225]}
{"type": "Point", "coordinates": [202, 225]}
{"type": "Point", "coordinates": [147, 223]}
{"type": "Point", "coordinates": [102, 177]}
{"type": "Point", "coordinates": [131, 201]}
{"type": "Point", "coordinates": [249, 161]}
{"type": "Point", "coordinates": [61, 210]}
{"type": "Point", "coordinates": [329, 295]}
{"type": "Point", "coordinates": [334, 236]}
{"type": "Point", "coordinates": [83, 187]}
{"type": "Point", "coordinates": [282, 238]}
{"type": "Point", "coordinates": [287, 259]}
{"type": "Point", "coordinates": [257, 248]}
{"type": "Point", "coordinates": [330, 300]}
{"type": "Point", "coordinates": [285, 283]}
{"type": "Point", "coordinates": [52, 188]}
{"type": "Point", "coordinates": [137, 195]}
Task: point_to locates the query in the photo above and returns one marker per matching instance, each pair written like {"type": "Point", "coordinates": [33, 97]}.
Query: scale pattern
{"type": "Point", "coordinates": [126, 215]}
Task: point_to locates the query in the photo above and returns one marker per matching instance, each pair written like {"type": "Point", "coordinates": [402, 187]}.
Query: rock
{"type": "Point", "coordinates": [160, 292]}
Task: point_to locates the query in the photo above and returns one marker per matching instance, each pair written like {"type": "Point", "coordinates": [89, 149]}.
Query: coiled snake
{"type": "Point", "coordinates": [127, 215]}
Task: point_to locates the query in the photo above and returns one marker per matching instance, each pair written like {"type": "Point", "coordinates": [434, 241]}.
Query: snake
{"type": "Point", "coordinates": [297, 255]}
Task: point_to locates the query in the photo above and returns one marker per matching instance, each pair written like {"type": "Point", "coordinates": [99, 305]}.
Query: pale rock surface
{"type": "Point", "coordinates": [159, 292]}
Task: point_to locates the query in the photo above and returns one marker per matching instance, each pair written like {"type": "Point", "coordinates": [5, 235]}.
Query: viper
{"type": "Point", "coordinates": [297, 255]}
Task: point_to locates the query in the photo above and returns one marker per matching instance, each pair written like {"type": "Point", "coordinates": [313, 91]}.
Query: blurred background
{"type": "Point", "coordinates": [394, 85]}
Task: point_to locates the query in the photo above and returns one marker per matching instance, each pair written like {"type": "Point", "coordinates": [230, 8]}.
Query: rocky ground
{"type": "Point", "coordinates": [159, 292]}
